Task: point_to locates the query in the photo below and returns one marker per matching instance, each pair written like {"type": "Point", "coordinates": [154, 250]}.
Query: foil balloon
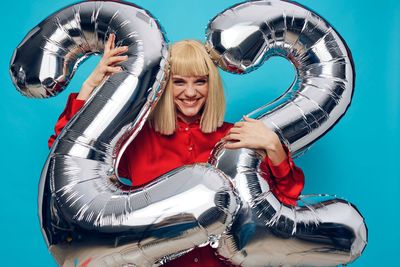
{"type": "Point", "coordinates": [317, 232]}
{"type": "Point", "coordinates": [86, 215]}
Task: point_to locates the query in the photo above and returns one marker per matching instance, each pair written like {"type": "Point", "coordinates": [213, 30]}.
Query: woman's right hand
{"type": "Point", "coordinates": [105, 68]}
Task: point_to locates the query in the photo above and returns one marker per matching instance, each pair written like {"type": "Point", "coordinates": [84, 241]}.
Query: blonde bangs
{"type": "Point", "coordinates": [186, 60]}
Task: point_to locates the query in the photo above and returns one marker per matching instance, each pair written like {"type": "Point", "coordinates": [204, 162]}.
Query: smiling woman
{"type": "Point", "coordinates": [184, 128]}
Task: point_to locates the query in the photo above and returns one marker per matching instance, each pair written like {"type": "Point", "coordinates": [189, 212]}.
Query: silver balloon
{"type": "Point", "coordinates": [84, 213]}
{"type": "Point", "coordinates": [243, 37]}
{"type": "Point", "coordinates": [267, 232]}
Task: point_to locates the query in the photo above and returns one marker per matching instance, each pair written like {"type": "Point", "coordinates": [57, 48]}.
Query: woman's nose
{"type": "Point", "coordinates": [190, 90]}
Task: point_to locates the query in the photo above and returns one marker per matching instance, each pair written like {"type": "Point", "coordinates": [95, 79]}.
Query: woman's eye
{"type": "Point", "coordinates": [178, 82]}
{"type": "Point", "coordinates": [201, 82]}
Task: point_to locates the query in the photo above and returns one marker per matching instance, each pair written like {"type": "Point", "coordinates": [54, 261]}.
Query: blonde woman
{"type": "Point", "coordinates": [184, 127]}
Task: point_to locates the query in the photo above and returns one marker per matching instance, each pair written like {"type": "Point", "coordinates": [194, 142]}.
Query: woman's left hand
{"type": "Point", "coordinates": [254, 134]}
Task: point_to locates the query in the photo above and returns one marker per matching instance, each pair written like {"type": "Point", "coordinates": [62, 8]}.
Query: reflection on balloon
{"type": "Point", "coordinates": [86, 215]}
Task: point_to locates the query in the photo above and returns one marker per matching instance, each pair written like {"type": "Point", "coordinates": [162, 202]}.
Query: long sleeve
{"type": "Point", "coordinates": [286, 179]}
{"type": "Point", "coordinates": [72, 107]}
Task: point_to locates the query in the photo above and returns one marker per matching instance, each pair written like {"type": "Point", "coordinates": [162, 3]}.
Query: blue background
{"type": "Point", "coordinates": [356, 160]}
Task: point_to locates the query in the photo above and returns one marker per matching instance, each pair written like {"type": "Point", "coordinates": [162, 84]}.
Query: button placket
{"type": "Point", "coordinates": [190, 137]}
{"type": "Point", "coordinates": [190, 148]}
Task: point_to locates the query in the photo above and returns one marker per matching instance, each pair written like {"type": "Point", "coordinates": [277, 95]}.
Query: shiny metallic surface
{"type": "Point", "coordinates": [85, 213]}
{"type": "Point", "coordinates": [116, 225]}
{"type": "Point", "coordinates": [317, 232]}
{"type": "Point", "coordinates": [243, 37]}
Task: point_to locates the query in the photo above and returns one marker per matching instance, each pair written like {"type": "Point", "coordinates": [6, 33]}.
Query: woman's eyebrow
{"type": "Point", "coordinates": [196, 78]}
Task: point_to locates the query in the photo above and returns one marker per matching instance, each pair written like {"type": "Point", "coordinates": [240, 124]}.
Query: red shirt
{"type": "Point", "coordinates": [187, 145]}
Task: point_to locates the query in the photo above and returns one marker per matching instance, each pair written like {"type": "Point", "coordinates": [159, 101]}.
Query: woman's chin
{"type": "Point", "coordinates": [189, 111]}
{"type": "Point", "coordinates": [189, 115]}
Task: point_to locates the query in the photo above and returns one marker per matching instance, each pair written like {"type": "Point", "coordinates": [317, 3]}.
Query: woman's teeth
{"type": "Point", "coordinates": [189, 102]}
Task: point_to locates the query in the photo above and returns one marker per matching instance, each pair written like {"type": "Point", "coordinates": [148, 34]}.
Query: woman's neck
{"type": "Point", "coordinates": [187, 119]}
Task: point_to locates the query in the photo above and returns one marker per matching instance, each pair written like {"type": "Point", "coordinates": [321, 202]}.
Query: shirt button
{"type": "Point", "coordinates": [190, 148]}
{"type": "Point", "coordinates": [187, 129]}
{"type": "Point", "coordinates": [196, 260]}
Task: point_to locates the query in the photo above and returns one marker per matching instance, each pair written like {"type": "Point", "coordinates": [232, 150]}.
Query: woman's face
{"type": "Point", "coordinates": [190, 94]}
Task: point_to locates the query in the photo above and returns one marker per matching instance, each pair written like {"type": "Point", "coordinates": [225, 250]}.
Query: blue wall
{"type": "Point", "coordinates": [356, 160]}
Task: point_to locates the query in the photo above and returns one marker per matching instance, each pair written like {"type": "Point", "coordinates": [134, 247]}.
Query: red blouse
{"type": "Point", "coordinates": [159, 154]}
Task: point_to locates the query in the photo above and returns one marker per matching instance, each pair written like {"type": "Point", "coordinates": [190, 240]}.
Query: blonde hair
{"type": "Point", "coordinates": [190, 58]}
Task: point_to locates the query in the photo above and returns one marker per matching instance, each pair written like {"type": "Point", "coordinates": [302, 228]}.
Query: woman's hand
{"type": "Point", "coordinates": [105, 68]}
{"type": "Point", "coordinates": [254, 134]}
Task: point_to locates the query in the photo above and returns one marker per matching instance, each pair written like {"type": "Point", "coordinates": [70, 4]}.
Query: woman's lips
{"type": "Point", "coordinates": [189, 102]}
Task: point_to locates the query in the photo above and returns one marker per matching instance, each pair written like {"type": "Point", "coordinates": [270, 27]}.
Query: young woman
{"type": "Point", "coordinates": [184, 127]}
